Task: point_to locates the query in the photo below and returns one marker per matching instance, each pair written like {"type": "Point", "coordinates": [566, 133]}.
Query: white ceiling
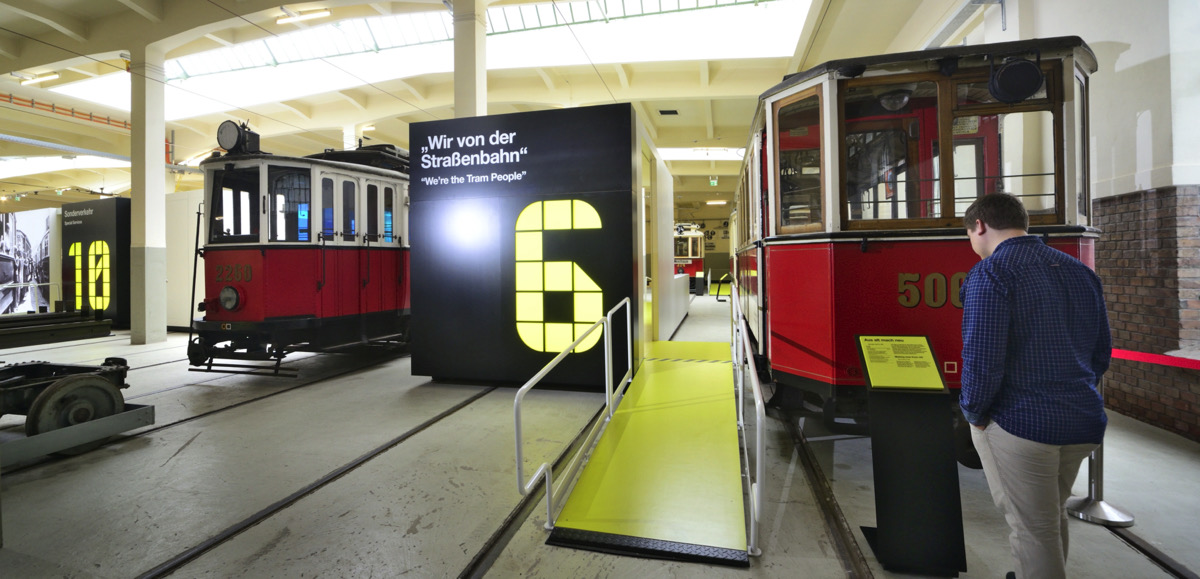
{"type": "Point", "coordinates": [82, 39]}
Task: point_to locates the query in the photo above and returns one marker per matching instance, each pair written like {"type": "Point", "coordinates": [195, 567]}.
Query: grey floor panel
{"type": "Point", "coordinates": [422, 509]}
{"type": "Point", "coordinates": [158, 495]}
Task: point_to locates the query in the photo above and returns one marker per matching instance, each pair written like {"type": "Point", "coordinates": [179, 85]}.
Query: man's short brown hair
{"type": "Point", "coordinates": [997, 211]}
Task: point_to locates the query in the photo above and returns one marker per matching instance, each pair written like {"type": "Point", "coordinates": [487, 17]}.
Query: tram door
{"type": "Point", "coordinates": [339, 291]}
{"type": "Point", "coordinates": [371, 259]}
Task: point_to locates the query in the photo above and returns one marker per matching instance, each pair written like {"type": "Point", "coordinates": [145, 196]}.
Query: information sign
{"type": "Point", "coordinates": [899, 362]}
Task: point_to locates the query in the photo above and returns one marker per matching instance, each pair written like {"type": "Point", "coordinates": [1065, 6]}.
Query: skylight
{"type": "Point", "coordinates": [352, 53]}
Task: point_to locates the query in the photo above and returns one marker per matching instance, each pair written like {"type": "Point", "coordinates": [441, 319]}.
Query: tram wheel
{"type": "Point", "coordinates": [73, 400]}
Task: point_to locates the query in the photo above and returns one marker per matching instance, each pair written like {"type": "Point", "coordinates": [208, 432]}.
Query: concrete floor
{"type": "Point", "coordinates": [427, 505]}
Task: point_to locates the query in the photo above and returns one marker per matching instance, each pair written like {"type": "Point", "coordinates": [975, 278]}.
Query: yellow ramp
{"type": "Point", "coordinates": [665, 478]}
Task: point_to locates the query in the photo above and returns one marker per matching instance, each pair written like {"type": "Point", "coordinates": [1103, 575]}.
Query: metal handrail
{"type": "Point", "coordinates": [740, 346]}
{"type": "Point", "coordinates": [544, 471]}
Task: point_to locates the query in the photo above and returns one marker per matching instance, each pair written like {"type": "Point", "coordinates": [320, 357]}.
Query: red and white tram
{"type": "Point", "coordinates": [849, 213]}
{"type": "Point", "coordinates": [302, 253]}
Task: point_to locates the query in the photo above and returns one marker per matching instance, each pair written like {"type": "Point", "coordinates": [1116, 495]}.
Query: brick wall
{"type": "Point", "coordinates": [1148, 256]}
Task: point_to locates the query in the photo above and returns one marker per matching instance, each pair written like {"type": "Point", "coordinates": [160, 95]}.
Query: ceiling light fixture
{"type": "Point", "coordinates": [291, 16]}
{"type": "Point", "coordinates": [715, 202]}
{"type": "Point", "coordinates": [37, 79]}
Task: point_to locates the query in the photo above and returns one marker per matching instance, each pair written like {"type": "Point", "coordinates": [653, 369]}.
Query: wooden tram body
{"type": "Point", "coordinates": [689, 256]}
{"type": "Point", "coordinates": [302, 253]}
{"type": "Point", "coordinates": [848, 218]}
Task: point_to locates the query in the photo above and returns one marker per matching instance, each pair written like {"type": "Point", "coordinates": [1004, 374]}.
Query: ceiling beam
{"type": "Point", "coordinates": [708, 118]}
{"type": "Point", "coordinates": [412, 89]}
{"type": "Point", "coordinates": [82, 72]}
{"type": "Point", "coordinates": [151, 10]}
{"type": "Point", "coordinates": [56, 19]}
{"type": "Point", "coordinates": [217, 37]}
{"type": "Point", "coordinates": [549, 82]}
{"type": "Point", "coordinates": [623, 74]}
{"type": "Point", "coordinates": [808, 34]}
{"type": "Point", "coordinates": [298, 107]}
{"type": "Point", "coordinates": [354, 97]}
{"type": "Point", "coordinates": [10, 46]}
{"type": "Point", "coordinates": [191, 126]}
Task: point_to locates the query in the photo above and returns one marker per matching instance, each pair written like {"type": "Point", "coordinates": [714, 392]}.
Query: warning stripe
{"type": "Point", "coordinates": [1160, 359]}
{"type": "Point", "coordinates": [686, 360]}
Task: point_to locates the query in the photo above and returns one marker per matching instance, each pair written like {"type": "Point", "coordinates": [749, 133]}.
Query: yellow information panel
{"type": "Point", "coordinates": [899, 362]}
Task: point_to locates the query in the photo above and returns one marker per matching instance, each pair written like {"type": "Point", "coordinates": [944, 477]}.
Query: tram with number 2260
{"type": "Point", "coordinates": [302, 253]}
{"type": "Point", "coordinates": [848, 218]}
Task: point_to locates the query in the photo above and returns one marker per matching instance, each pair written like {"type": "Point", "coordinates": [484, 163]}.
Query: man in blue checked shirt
{"type": "Point", "coordinates": [1035, 344]}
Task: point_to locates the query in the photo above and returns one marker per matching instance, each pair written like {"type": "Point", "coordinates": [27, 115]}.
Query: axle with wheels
{"type": "Point", "coordinates": [56, 396]}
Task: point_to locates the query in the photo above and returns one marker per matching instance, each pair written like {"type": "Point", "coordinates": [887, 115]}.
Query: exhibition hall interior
{"type": "Point", "coordinates": [577, 288]}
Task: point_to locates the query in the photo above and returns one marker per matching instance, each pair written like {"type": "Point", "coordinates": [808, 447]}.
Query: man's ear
{"type": "Point", "coordinates": [980, 227]}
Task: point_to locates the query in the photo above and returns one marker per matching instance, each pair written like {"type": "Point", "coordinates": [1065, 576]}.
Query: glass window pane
{"type": "Point", "coordinates": [349, 193]}
{"type": "Point", "coordinates": [389, 204]}
{"type": "Point", "coordinates": [1081, 143]}
{"type": "Point", "coordinates": [327, 220]}
{"type": "Point", "coordinates": [798, 126]}
{"type": "Point", "coordinates": [290, 194]}
{"type": "Point", "coordinates": [1007, 152]}
{"type": "Point", "coordinates": [233, 207]}
{"type": "Point", "coordinates": [891, 168]}
{"type": "Point", "coordinates": [372, 225]}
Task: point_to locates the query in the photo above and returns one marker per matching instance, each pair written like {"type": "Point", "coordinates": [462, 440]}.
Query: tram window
{"type": "Point", "coordinates": [1008, 152]}
{"type": "Point", "coordinates": [372, 226]}
{"type": "Point", "coordinates": [1084, 204]}
{"type": "Point", "coordinates": [290, 192]}
{"type": "Point", "coordinates": [233, 208]}
{"type": "Point", "coordinates": [389, 200]}
{"type": "Point", "coordinates": [798, 126]}
{"type": "Point", "coordinates": [890, 152]}
{"type": "Point", "coordinates": [327, 207]}
{"type": "Point", "coordinates": [349, 194]}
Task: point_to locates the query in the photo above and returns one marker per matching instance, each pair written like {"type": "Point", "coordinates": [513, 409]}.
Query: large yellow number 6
{"type": "Point", "coordinates": [534, 277]}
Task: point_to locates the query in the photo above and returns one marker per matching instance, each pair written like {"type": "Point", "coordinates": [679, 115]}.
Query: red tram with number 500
{"type": "Point", "coordinates": [302, 253]}
{"type": "Point", "coordinates": [848, 219]}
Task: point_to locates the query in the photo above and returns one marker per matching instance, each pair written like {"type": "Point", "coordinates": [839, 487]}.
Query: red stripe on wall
{"type": "Point", "coordinates": [1160, 359]}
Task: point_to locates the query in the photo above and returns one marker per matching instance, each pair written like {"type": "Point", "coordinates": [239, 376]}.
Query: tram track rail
{"type": "Point", "coordinates": [841, 535]}
{"type": "Point", "coordinates": [182, 559]}
{"type": "Point", "coordinates": [484, 557]}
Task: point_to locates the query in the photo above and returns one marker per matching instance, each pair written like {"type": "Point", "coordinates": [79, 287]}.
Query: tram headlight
{"type": "Point", "coordinates": [229, 298]}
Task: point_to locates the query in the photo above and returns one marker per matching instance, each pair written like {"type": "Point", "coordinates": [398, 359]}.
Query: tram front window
{"type": "Point", "coordinates": [233, 207]}
{"type": "Point", "coordinates": [1006, 152]}
{"type": "Point", "coordinates": [291, 199]}
{"type": "Point", "coordinates": [891, 170]}
{"type": "Point", "coordinates": [799, 140]}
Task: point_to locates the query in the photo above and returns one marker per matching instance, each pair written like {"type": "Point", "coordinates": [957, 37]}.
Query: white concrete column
{"type": "Point", "coordinates": [350, 138]}
{"type": "Point", "coordinates": [470, 58]}
{"type": "Point", "coordinates": [148, 238]}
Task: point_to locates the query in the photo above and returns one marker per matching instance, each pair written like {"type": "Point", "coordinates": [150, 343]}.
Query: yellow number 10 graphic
{"type": "Point", "coordinates": [535, 277]}
{"type": "Point", "coordinates": [98, 269]}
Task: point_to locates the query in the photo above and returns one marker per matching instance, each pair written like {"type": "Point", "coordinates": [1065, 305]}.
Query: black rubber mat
{"type": "Point", "coordinates": [642, 547]}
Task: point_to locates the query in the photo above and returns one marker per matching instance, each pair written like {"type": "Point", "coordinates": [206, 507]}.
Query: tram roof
{"type": "Point", "coordinates": [999, 49]}
{"type": "Point", "coordinates": [307, 160]}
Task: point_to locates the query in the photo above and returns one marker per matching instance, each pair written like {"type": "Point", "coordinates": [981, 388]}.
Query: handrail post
{"type": "Point", "coordinates": [1092, 508]}
{"type": "Point", "coordinates": [545, 471]}
{"type": "Point", "coordinates": [744, 364]}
